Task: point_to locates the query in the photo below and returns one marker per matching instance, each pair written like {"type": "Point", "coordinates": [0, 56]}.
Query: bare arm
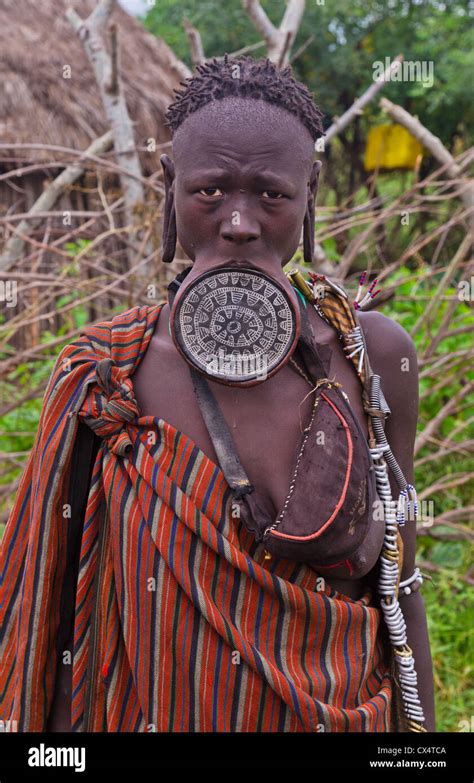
{"type": "Point", "coordinates": [393, 356]}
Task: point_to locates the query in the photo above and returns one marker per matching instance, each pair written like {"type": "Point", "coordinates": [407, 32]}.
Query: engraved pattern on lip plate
{"type": "Point", "coordinates": [236, 315]}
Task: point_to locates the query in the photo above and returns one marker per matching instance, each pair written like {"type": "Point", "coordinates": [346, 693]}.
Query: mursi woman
{"type": "Point", "coordinates": [221, 566]}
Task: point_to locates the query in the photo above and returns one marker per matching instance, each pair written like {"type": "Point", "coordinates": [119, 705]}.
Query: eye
{"type": "Point", "coordinates": [205, 193]}
{"type": "Point", "coordinates": [273, 194]}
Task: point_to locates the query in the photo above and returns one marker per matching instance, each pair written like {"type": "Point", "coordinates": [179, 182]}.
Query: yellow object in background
{"type": "Point", "coordinates": [391, 147]}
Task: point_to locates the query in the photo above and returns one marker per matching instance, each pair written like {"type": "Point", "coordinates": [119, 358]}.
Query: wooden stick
{"type": "Point", "coordinates": [279, 40]}
{"type": "Point", "coordinates": [447, 410]}
{"type": "Point", "coordinates": [459, 257]}
{"type": "Point", "coordinates": [48, 198]}
{"type": "Point", "coordinates": [90, 32]}
{"type": "Point", "coordinates": [195, 42]}
{"type": "Point", "coordinates": [360, 103]}
{"type": "Point", "coordinates": [435, 146]}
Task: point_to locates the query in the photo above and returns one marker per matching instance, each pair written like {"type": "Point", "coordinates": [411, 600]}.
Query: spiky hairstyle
{"type": "Point", "coordinates": [217, 79]}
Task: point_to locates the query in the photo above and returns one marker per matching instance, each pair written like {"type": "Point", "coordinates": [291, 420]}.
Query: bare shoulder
{"type": "Point", "coordinates": [385, 337]}
{"type": "Point", "coordinates": [392, 355]}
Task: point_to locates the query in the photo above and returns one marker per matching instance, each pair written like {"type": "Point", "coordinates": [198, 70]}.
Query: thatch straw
{"type": "Point", "coordinates": [37, 104]}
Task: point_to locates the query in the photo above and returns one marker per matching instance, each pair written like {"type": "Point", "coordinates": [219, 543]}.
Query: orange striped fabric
{"type": "Point", "coordinates": [180, 623]}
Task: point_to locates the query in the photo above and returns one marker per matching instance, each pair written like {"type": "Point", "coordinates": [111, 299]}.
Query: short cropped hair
{"type": "Point", "coordinates": [216, 79]}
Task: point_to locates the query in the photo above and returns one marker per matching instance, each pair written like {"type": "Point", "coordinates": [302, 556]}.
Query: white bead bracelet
{"type": "Point", "coordinates": [415, 577]}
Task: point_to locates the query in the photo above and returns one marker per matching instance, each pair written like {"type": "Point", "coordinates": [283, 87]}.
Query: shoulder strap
{"type": "Point", "coordinates": [220, 436]}
{"type": "Point", "coordinates": [216, 424]}
{"type": "Point", "coordinates": [334, 305]}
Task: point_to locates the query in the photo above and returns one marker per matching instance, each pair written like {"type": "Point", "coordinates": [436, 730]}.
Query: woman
{"type": "Point", "coordinates": [195, 626]}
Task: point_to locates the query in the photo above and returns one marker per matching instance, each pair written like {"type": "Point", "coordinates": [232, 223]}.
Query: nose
{"type": "Point", "coordinates": [240, 228]}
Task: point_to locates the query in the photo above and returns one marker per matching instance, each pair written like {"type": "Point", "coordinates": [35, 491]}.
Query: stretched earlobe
{"type": "Point", "coordinates": [169, 234]}
{"type": "Point", "coordinates": [310, 214]}
{"type": "Point", "coordinates": [308, 235]}
{"type": "Point", "coordinates": [169, 237]}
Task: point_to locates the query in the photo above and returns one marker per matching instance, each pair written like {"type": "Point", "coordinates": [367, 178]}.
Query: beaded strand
{"type": "Point", "coordinates": [389, 583]}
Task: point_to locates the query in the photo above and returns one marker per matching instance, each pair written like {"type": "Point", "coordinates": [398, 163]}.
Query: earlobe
{"type": "Point", "coordinates": [168, 170]}
{"type": "Point", "coordinates": [169, 218]}
{"type": "Point", "coordinates": [314, 178]}
{"type": "Point", "coordinates": [308, 224]}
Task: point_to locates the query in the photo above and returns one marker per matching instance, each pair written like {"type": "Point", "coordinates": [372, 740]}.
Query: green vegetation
{"type": "Point", "coordinates": [449, 598]}
{"type": "Point", "coordinates": [345, 39]}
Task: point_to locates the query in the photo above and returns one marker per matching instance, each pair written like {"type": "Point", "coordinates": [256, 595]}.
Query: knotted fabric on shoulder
{"type": "Point", "coordinates": [109, 405]}
{"type": "Point", "coordinates": [180, 623]}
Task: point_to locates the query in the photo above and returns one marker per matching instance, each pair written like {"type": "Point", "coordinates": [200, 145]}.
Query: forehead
{"type": "Point", "coordinates": [243, 132]}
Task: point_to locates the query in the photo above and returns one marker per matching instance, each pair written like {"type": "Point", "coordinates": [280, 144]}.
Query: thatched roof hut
{"type": "Point", "coordinates": [40, 105]}
{"type": "Point", "coordinates": [37, 104]}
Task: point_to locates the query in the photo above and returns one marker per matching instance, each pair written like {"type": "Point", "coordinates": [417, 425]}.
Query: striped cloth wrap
{"type": "Point", "coordinates": [180, 623]}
